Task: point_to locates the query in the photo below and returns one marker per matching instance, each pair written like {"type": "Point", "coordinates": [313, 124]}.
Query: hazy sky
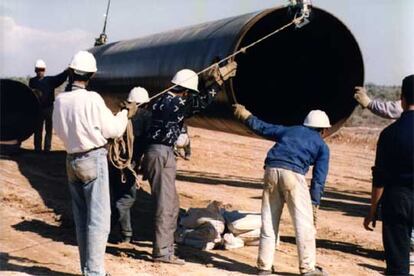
{"type": "Point", "coordinates": [55, 29]}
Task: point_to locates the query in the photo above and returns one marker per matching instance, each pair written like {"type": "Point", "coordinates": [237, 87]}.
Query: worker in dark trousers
{"type": "Point", "coordinates": [159, 164]}
{"type": "Point", "coordinates": [183, 143]}
{"type": "Point", "coordinates": [44, 88]}
{"type": "Point", "coordinates": [123, 195]}
{"type": "Point", "coordinates": [387, 110]}
{"type": "Point", "coordinates": [393, 183]}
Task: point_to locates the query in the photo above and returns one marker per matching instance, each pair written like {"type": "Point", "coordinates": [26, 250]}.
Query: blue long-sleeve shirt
{"type": "Point", "coordinates": [170, 110]}
{"type": "Point", "coordinates": [296, 148]}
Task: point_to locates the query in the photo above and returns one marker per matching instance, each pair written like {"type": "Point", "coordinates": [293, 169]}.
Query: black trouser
{"type": "Point", "coordinates": [398, 217]}
{"type": "Point", "coordinates": [159, 167]}
{"type": "Point", "coordinates": [45, 118]}
{"type": "Point", "coordinates": [122, 199]}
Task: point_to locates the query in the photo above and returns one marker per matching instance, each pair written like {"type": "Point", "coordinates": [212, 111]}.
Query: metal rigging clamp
{"type": "Point", "coordinates": [300, 8]}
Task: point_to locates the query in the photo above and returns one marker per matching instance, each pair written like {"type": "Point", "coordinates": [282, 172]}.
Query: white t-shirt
{"type": "Point", "coordinates": [83, 121]}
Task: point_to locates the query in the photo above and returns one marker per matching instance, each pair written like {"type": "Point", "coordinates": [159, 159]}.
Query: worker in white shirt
{"type": "Point", "coordinates": [84, 123]}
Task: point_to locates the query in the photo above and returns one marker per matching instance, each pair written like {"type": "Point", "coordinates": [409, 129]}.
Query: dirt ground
{"type": "Point", "coordinates": [37, 233]}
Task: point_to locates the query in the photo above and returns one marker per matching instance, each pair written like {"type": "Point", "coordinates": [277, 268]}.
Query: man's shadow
{"type": "Point", "coordinates": [46, 173]}
{"type": "Point", "coordinates": [12, 263]}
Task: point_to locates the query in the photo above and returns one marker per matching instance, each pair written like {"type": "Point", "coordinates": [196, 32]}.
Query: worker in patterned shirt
{"type": "Point", "coordinates": [159, 164]}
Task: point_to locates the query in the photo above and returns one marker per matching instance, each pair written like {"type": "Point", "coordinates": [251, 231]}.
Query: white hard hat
{"type": "Point", "coordinates": [40, 64]}
{"type": "Point", "coordinates": [317, 119]}
{"type": "Point", "coordinates": [186, 78]}
{"type": "Point", "coordinates": [138, 95]}
{"type": "Point", "coordinates": [83, 62]}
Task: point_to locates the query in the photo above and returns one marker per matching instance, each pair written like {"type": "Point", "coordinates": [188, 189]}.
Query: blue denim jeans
{"type": "Point", "coordinates": [89, 188]}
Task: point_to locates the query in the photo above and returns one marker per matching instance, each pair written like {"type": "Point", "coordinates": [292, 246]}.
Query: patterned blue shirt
{"type": "Point", "coordinates": [170, 110]}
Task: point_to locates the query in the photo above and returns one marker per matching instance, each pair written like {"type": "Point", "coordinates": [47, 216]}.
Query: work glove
{"type": "Point", "coordinates": [240, 112]}
{"type": "Point", "coordinates": [361, 96]}
{"type": "Point", "coordinates": [220, 74]}
{"type": "Point", "coordinates": [228, 71]}
{"type": "Point", "coordinates": [132, 108]}
{"type": "Point", "coordinates": [315, 209]}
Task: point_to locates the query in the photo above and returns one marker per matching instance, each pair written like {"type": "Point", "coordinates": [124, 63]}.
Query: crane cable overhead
{"type": "Point", "coordinates": [119, 147]}
{"type": "Point", "coordinates": [106, 16]}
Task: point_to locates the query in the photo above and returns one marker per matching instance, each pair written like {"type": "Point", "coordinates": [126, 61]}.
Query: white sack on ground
{"type": "Point", "coordinates": [198, 216]}
{"type": "Point", "coordinates": [232, 242]}
{"type": "Point", "coordinates": [240, 222]}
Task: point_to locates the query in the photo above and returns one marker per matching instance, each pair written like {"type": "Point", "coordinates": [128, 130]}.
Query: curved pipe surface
{"type": "Point", "coordinates": [19, 110]}
{"type": "Point", "coordinates": [279, 80]}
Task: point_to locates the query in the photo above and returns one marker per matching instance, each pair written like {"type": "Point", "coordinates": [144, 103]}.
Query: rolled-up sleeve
{"type": "Point", "coordinates": [112, 126]}
{"type": "Point", "coordinates": [319, 174]}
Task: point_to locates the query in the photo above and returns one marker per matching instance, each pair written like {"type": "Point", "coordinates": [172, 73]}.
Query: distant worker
{"type": "Point", "coordinates": [84, 123]}
{"type": "Point", "coordinates": [286, 164]}
{"type": "Point", "coordinates": [388, 110]}
{"type": "Point", "coordinates": [101, 40]}
{"type": "Point", "coordinates": [393, 184]}
{"type": "Point", "coordinates": [123, 195]}
{"type": "Point", "coordinates": [183, 144]}
{"type": "Point", "coordinates": [159, 164]}
{"type": "Point", "coordinates": [44, 88]}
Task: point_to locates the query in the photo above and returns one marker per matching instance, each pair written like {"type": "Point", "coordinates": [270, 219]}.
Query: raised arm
{"type": "Point", "coordinates": [212, 82]}
{"type": "Point", "coordinates": [388, 109]}
{"type": "Point", "coordinates": [60, 78]}
{"type": "Point", "coordinates": [264, 129]}
{"type": "Point", "coordinates": [384, 109]}
{"type": "Point", "coordinates": [112, 126]}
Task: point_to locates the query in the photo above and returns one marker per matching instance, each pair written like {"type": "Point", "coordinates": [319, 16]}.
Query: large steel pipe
{"type": "Point", "coordinates": [19, 111]}
{"type": "Point", "coordinates": [279, 80]}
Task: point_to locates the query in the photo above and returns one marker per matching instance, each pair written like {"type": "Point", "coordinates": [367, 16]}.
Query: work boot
{"type": "Point", "coordinates": [266, 272]}
{"type": "Point", "coordinates": [316, 272]}
{"type": "Point", "coordinates": [171, 259]}
{"type": "Point", "coordinates": [126, 239]}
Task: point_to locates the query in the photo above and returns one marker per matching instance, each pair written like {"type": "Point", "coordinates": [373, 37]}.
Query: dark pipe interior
{"type": "Point", "coordinates": [19, 110]}
{"type": "Point", "coordinates": [298, 70]}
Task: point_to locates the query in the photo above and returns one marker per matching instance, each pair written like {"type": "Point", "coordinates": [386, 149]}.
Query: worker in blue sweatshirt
{"type": "Point", "coordinates": [287, 162]}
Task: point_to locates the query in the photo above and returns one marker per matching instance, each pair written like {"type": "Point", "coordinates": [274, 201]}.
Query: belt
{"type": "Point", "coordinates": [75, 154]}
{"type": "Point", "coordinates": [161, 144]}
